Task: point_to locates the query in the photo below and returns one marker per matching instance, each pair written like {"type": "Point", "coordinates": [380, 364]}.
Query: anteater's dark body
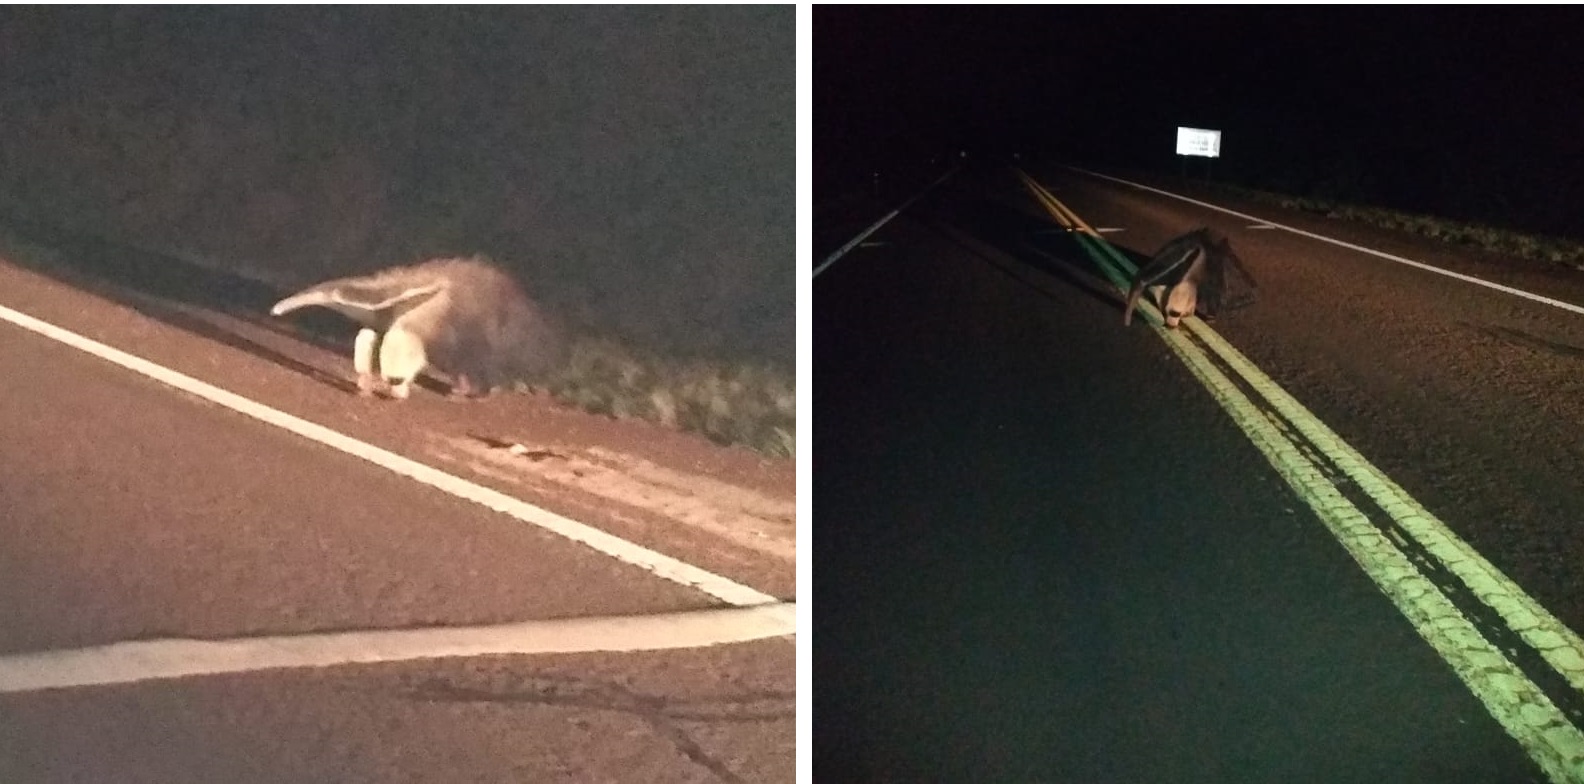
{"type": "Point", "coordinates": [463, 317]}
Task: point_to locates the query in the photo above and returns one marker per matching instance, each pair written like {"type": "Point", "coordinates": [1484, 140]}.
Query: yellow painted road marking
{"type": "Point", "coordinates": [1520, 706]}
{"type": "Point", "coordinates": [1559, 645]}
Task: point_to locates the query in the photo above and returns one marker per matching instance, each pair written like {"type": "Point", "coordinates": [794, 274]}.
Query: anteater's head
{"type": "Point", "coordinates": [1180, 302]}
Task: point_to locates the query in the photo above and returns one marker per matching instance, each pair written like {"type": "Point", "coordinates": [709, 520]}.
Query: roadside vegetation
{"type": "Point", "coordinates": [743, 403]}
{"type": "Point", "coordinates": [731, 402]}
{"type": "Point", "coordinates": [670, 233]}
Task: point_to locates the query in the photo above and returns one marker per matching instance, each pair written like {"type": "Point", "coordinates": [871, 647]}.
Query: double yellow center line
{"type": "Point", "coordinates": [1314, 461]}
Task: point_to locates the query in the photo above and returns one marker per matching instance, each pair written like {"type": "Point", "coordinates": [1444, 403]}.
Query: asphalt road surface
{"type": "Point", "coordinates": [131, 512]}
{"type": "Point", "coordinates": [1045, 552]}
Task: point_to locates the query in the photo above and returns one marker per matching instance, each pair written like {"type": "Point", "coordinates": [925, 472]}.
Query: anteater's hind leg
{"type": "Point", "coordinates": [363, 348]}
{"type": "Point", "coordinates": [470, 387]}
{"type": "Point", "coordinates": [402, 358]}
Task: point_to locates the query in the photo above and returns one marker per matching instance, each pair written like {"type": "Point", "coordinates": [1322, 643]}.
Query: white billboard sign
{"type": "Point", "coordinates": [1198, 141]}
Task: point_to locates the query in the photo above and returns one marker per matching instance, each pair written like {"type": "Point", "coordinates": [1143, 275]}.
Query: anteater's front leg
{"type": "Point", "coordinates": [363, 349]}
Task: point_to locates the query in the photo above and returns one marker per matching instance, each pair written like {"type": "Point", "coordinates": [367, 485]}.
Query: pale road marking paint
{"type": "Point", "coordinates": [1559, 645]}
{"type": "Point", "coordinates": [145, 660]}
{"type": "Point", "coordinates": [661, 565]}
{"type": "Point", "coordinates": [1568, 306]}
{"type": "Point", "coordinates": [1057, 210]}
{"type": "Point", "coordinates": [842, 251]}
{"type": "Point", "coordinates": [1520, 706]}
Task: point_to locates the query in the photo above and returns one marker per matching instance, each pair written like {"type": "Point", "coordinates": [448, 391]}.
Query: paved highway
{"type": "Point", "coordinates": [189, 594]}
{"type": "Point", "coordinates": [1051, 548]}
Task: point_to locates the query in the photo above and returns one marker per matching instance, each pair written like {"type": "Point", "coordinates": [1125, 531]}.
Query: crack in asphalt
{"type": "Point", "coordinates": [662, 714]}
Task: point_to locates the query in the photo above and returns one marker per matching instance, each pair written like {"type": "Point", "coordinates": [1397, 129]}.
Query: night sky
{"type": "Point", "coordinates": [1463, 111]}
{"type": "Point", "coordinates": [635, 164]}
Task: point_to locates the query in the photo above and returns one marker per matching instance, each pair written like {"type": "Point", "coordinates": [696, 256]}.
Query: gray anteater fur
{"type": "Point", "coordinates": [1191, 274]}
{"type": "Point", "coordinates": [463, 317]}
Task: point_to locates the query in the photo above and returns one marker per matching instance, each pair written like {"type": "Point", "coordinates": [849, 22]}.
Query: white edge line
{"type": "Point", "coordinates": [144, 660]}
{"type": "Point", "coordinates": [616, 547]}
{"type": "Point", "coordinates": [842, 251]}
{"type": "Point", "coordinates": [1568, 306]}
